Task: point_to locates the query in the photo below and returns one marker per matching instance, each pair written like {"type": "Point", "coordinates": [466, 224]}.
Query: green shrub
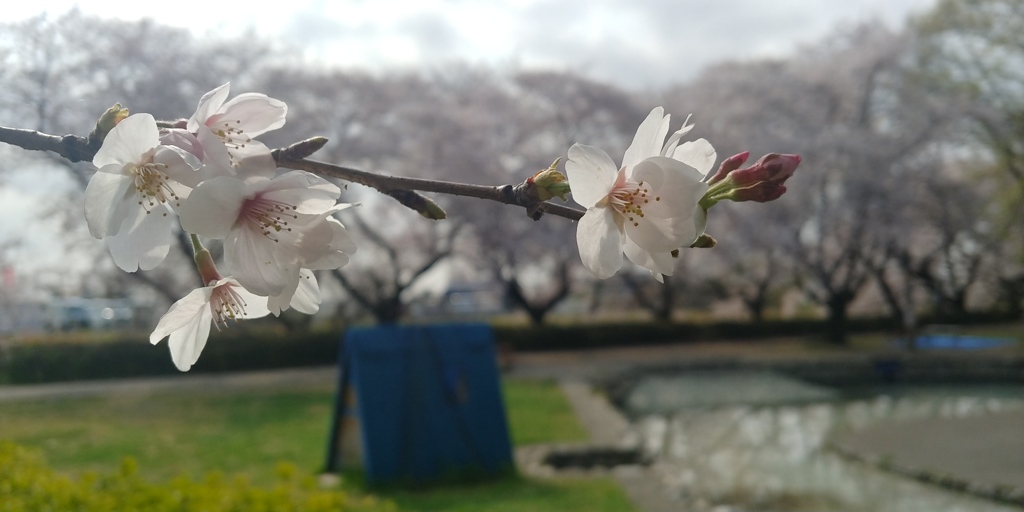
{"type": "Point", "coordinates": [27, 484]}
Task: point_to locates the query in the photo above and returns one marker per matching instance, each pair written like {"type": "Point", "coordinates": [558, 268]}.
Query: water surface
{"type": "Point", "coordinates": [746, 441]}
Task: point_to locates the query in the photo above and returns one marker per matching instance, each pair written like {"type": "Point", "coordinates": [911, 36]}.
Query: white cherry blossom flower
{"type": "Point", "coordinates": [324, 244]}
{"type": "Point", "coordinates": [130, 199]}
{"type": "Point", "coordinates": [648, 206]}
{"type": "Point", "coordinates": [187, 322]}
{"type": "Point", "coordinates": [261, 222]}
{"type": "Point", "coordinates": [226, 131]}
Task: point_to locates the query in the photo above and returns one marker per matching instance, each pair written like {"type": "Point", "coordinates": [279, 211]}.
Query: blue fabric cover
{"type": "Point", "coordinates": [429, 401]}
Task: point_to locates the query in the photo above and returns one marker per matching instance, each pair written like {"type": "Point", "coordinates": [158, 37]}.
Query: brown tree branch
{"type": "Point", "coordinates": [72, 147]}
{"type": "Point", "coordinates": [506, 194]}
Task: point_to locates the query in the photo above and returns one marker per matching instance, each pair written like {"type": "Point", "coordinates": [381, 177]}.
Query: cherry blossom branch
{"type": "Point", "coordinates": [82, 149]}
{"type": "Point", "coordinates": [518, 195]}
{"type": "Point", "coordinates": [72, 147]}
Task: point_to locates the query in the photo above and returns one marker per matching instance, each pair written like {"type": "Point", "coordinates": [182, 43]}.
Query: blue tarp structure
{"type": "Point", "coordinates": [955, 342]}
{"type": "Point", "coordinates": [428, 401]}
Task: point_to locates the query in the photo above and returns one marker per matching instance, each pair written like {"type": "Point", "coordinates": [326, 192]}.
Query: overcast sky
{"type": "Point", "coordinates": [636, 43]}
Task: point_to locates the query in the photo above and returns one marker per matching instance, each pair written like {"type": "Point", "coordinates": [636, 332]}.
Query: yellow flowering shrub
{"type": "Point", "coordinates": [27, 484]}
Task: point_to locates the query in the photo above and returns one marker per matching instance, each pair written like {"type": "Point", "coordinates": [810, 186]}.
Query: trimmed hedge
{"type": "Point", "coordinates": [597, 335]}
{"type": "Point", "coordinates": [240, 350]}
{"type": "Point", "coordinates": [44, 362]}
{"type": "Point", "coordinates": [610, 335]}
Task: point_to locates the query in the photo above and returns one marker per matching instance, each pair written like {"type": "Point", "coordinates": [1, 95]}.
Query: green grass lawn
{"type": "Point", "coordinates": [249, 432]}
{"type": "Point", "coordinates": [539, 413]}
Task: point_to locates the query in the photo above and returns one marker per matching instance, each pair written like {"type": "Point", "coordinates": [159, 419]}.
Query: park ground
{"type": "Point", "coordinates": [573, 370]}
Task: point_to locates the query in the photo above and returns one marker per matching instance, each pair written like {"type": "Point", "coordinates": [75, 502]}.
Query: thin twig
{"type": "Point", "coordinates": [506, 194]}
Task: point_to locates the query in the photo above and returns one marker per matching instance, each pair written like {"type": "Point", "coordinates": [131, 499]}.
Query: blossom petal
{"type": "Point", "coordinates": [216, 161]}
{"type": "Point", "coordinates": [251, 258]}
{"type": "Point", "coordinates": [179, 165]}
{"type": "Point", "coordinates": [282, 302]}
{"type": "Point", "coordinates": [188, 342]}
{"type": "Point", "coordinates": [256, 112]}
{"type": "Point", "coordinates": [342, 239]}
{"type": "Point", "coordinates": [599, 242]}
{"type": "Point", "coordinates": [128, 141]}
{"type": "Point", "coordinates": [649, 138]}
{"type": "Point", "coordinates": [659, 263]}
{"type": "Point", "coordinates": [108, 197]}
{"type": "Point", "coordinates": [700, 221]}
{"type": "Point", "coordinates": [676, 186]}
{"type": "Point", "coordinates": [591, 174]}
{"type": "Point", "coordinates": [182, 177]}
{"type": "Point", "coordinates": [143, 240]}
{"type": "Point", "coordinates": [209, 105]}
{"type": "Point", "coordinates": [307, 192]}
{"type": "Point", "coordinates": [673, 140]}
{"type": "Point", "coordinates": [698, 154]}
{"type": "Point", "coordinates": [185, 310]}
{"type": "Point", "coordinates": [660, 235]}
{"type": "Point", "coordinates": [307, 296]}
{"type": "Point", "coordinates": [325, 244]}
{"type": "Point", "coordinates": [254, 161]}
{"type": "Point", "coordinates": [302, 295]}
{"type": "Point", "coordinates": [213, 207]}
{"type": "Point", "coordinates": [255, 305]}
{"type": "Point", "coordinates": [185, 141]}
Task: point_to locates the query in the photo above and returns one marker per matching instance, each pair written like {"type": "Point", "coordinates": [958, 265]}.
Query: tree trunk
{"type": "Point", "coordinates": [388, 311]}
{"type": "Point", "coordinates": [836, 325]}
{"type": "Point", "coordinates": [538, 310]}
{"type": "Point", "coordinates": [755, 306]}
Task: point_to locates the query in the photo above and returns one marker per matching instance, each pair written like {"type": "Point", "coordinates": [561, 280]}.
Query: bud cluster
{"type": "Point", "coordinates": [761, 182]}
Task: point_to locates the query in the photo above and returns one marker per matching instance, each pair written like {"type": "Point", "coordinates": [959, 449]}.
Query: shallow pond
{"type": "Point", "coordinates": [741, 441]}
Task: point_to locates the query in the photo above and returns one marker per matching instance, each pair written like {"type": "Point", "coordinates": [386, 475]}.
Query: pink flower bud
{"type": "Point", "coordinates": [729, 165]}
{"type": "Point", "coordinates": [772, 167]}
{"type": "Point", "coordinates": [762, 192]}
{"type": "Point", "coordinates": [780, 167]}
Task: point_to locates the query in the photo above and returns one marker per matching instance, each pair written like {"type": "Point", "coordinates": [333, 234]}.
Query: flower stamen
{"type": "Point", "coordinates": [234, 139]}
{"type": "Point", "coordinates": [270, 217]}
{"type": "Point", "coordinates": [628, 197]}
{"type": "Point", "coordinates": [226, 304]}
{"type": "Point", "coordinates": [152, 183]}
